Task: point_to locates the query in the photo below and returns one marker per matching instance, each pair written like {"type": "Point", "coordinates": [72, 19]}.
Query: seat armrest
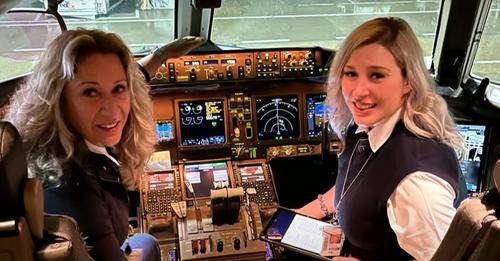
{"type": "Point", "coordinates": [33, 204]}
{"type": "Point", "coordinates": [62, 229]}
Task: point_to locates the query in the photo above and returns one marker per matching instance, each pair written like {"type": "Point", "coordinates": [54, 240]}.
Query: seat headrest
{"type": "Point", "coordinates": [496, 175]}
{"type": "Point", "coordinates": [13, 172]}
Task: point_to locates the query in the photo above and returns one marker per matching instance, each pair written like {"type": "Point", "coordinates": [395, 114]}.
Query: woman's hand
{"type": "Point", "coordinates": [343, 258]}
{"type": "Point", "coordinates": [181, 46]}
{"type": "Point", "coordinates": [312, 209]}
{"type": "Point", "coordinates": [173, 49]}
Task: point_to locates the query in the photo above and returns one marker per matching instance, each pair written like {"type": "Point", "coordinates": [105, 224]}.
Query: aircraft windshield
{"type": "Point", "coordinates": [143, 25]}
{"type": "Point", "coordinates": [325, 23]}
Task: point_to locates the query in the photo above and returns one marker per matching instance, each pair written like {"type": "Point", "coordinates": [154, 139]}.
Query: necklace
{"type": "Point", "coordinates": [344, 189]}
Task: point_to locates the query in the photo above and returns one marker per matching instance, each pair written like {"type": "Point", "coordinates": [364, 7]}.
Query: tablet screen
{"type": "Point", "coordinates": [291, 229]}
{"type": "Point", "coordinates": [305, 233]}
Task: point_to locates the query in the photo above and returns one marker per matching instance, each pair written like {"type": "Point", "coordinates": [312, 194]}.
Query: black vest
{"type": "Point", "coordinates": [363, 210]}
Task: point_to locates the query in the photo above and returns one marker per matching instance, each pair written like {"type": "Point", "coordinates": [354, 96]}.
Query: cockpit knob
{"type": "Point", "coordinates": [237, 244]}
{"type": "Point", "coordinates": [220, 246]}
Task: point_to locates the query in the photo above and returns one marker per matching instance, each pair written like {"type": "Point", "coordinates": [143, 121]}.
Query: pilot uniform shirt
{"type": "Point", "coordinates": [90, 191]}
{"type": "Point", "coordinates": [420, 208]}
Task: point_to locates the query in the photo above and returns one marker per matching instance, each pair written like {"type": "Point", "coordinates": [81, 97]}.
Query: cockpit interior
{"type": "Point", "coordinates": [241, 122]}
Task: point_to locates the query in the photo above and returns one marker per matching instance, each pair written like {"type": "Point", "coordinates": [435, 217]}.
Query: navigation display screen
{"type": "Point", "coordinates": [277, 117]}
{"type": "Point", "coordinates": [202, 122]}
{"type": "Point", "coordinates": [164, 180]}
{"type": "Point", "coordinates": [317, 112]}
{"type": "Point", "coordinates": [251, 173]}
{"type": "Point", "coordinates": [474, 136]}
{"type": "Point", "coordinates": [205, 176]}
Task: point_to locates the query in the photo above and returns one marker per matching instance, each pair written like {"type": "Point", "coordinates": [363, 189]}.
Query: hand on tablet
{"type": "Point", "coordinates": [310, 210]}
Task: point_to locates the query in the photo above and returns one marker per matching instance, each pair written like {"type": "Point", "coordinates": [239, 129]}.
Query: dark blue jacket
{"type": "Point", "coordinates": [91, 192]}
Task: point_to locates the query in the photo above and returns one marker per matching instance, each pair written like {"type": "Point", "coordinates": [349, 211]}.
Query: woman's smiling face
{"type": "Point", "coordinates": [373, 85]}
{"type": "Point", "coordinates": [97, 101]}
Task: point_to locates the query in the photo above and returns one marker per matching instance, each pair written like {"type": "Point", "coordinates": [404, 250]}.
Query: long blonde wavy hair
{"type": "Point", "coordinates": [36, 109]}
{"type": "Point", "coordinates": [424, 112]}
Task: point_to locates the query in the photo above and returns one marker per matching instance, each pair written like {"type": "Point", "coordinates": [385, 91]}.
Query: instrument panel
{"type": "Point", "coordinates": [240, 125]}
{"type": "Point", "coordinates": [278, 117]}
{"type": "Point", "coordinates": [193, 184]}
{"type": "Point", "coordinates": [159, 190]}
{"type": "Point", "coordinates": [220, 117]}
{"type": "Point", "coordinates": [242, 65]}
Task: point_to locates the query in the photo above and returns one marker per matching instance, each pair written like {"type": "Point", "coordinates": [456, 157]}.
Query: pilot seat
{"type": "Point", "coordinates": [474, 233]}
{"type": "Point", "coordinates": [25, 232]}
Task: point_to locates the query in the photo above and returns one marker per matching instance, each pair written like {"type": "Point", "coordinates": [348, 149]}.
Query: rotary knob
{"type": "Point", "coordinates": [237, 244]}
{"type": "Point", "coordinates": [220, 246]}
{"type": "Point", "coordinates": [275, 152]}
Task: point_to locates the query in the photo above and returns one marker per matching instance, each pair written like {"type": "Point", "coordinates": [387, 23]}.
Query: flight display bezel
{"type": "Point", "coordinates": [237, 165]}
{"type": "Point", "coordinates": [482, 158]}
{"type": "Point", "coordinates": [185, 194]}
{"type": "Point", "coordinates": [172, 129]}
{"type": "Point", "coordinates": [181, 135]}
{"type": "Point", "coordinates": [307, 95]}
{"type": "Point", "coordinates": [299, 116]}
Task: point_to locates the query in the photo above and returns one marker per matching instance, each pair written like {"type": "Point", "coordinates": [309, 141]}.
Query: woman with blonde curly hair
{"type": "Point", "coordinates": [399, 180]}
{"type": "Point", "coordinates": [86, 118]}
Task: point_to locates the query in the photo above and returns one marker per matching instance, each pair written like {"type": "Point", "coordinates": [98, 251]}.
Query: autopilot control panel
{"type": "Point", "coordinates": [242, 65]}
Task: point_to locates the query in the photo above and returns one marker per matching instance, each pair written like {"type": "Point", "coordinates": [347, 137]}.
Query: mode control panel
{"type": "Point", "coordinates": [268, 64]}
{"type": "Point", "coordinates": [238, 65]}
{"type": "Point", "coordinates": [206, 67]}
{"type": "Point", "coordinates": [298, 63]}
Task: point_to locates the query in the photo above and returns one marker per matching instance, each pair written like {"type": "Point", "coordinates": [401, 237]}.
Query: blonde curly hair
{"type": "Point", "coordinates": [424, 112]}
{"type": "Point", "coordinates": [36, 109]}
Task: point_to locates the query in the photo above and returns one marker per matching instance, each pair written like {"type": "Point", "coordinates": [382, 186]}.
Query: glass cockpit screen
{"type": "Point", "coordinates": [164, 131]}
{"type": "Point", "coordinates": [206, 176]}
{"type": "Point", "coordinates": [277, 117]}
{"type": "Point", "coordinates": [316, 113]}
{"type": "Point", "coordinates": [471, 163]}
{"type": "Point", "coordinates": [202, 122]}
{"type": "Point", "coordinates": [251, 173]}
{"type": "Point", "coordinates": [161, 180]}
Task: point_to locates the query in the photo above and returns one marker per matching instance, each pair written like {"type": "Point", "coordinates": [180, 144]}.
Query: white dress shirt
{"type": "Point", "coordinates": [101, 150]}
{"type": "Point", "coordinates": [420, 209]}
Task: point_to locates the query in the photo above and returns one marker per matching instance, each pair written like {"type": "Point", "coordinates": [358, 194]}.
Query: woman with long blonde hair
{"type": "Point", "coordinates": [399, 180]}
{"type": "Point", "coordinates": [86, 118]}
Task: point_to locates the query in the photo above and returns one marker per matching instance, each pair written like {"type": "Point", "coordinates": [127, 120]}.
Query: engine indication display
{"type": "Point", "coordinates": [202, 122]}
{"type": "Point", "coordinates": [277, 117]}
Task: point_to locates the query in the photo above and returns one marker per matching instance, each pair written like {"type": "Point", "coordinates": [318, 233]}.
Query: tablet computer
{"type": "Point", "coordinates": [303, 234]}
